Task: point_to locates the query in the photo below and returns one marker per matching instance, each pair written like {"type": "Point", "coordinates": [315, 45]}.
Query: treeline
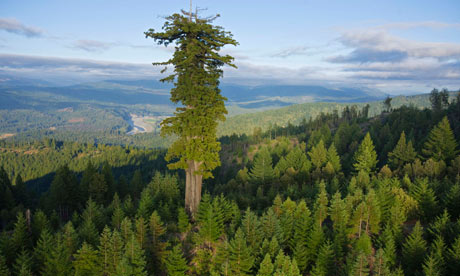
{"type": "Point", "coordinates": [36, 162]}
{"type": "Point", "coordinates": [337, 195]}
{"type": "Point", "coordinates": [294, 114]}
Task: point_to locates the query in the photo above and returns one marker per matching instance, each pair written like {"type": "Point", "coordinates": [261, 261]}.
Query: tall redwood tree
{"type": "Point", "coordinates": [197, 69]}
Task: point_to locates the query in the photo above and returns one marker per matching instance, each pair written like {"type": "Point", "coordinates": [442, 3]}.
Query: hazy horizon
{"type": "Point", "coordinates": [393, 47]}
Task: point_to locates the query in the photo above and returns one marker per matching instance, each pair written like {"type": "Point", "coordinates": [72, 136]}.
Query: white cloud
{"type": "Point", "coordinates": [12, 25]}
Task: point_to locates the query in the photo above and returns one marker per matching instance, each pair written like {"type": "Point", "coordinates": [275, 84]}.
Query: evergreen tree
{"type": "Point", "coordinates": [98, 188]}
{"type": "Point", "coordinates": [105, 250]}
{"type": "Point", "coordinates": [262, 170]}
{"type": "Point", "coordinates": [4, 270]}
{"type": "Point", "coordinates": [361, 266]}
{"type": "Point", "coordinates": [196, 79]}
{"type": "Point", "coordinates": [58, 262]}
{"type": "Point", "coordinates": [441, 143]}
{"type": "Point", "coordinates": [87, 261]}
{"type": "Point", "coordinates": [210, 220]}
{"type": "Point", "coordinates": [21, 236]}
{"type": "Point", "coordinates": [241, 260]}
{"type": "Point", "coordinates": [23, 264]}
{"type": "Point", "coordinates": [45, 245]}
{"type": "Point", "coordinates": [266, 267]}
{"type": "Point", "coordinates": [334, 159]}
{"type": "Point", "coordinates": [183, 223]}
{"type": "Point", "coordinates": [402, 154]}
{"type": "Point", "coordinates": [414, 249]}
{"type": "Point", "coordinates": [133, 261]}
{"type": "Point", "coordinates": [324, 261]}
{"type": "Point", "coordinates": [318, 155]}
{"type": "Point", "coordinates": [176, 265]}
{"type": "Point", "coordinates": [365, 156]}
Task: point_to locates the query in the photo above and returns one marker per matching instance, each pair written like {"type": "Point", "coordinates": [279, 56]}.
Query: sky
{"type": "Point", "coordinates": [397, 47]}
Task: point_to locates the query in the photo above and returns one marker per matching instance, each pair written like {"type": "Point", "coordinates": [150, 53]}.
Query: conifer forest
{"type": "Point", "coordinates": [345, 192]}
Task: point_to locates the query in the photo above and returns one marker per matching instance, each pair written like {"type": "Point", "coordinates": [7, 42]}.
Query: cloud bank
{"type": "Point", "coordinates": [12, 25]}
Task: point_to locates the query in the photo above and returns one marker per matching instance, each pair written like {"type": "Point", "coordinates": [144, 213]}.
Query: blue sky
{"type": "Point", "coordinates": [394, 46]}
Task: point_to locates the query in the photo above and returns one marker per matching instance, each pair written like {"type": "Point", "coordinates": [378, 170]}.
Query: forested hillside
{"type": "Point", "coordinates": [340, 194]}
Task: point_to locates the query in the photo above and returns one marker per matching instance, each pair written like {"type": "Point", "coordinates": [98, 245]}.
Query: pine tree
{"type": "Point", "coordinates": [365, 156]}
{"type": "Point", "coordinates": [414, 249]}
{"type": "Point", "coordinates": [251, 229]}
{"type": "Point", "coordinates": [241, 259]}
{"type": "Point", "coordinates": [318, 155]}
{"type": "Point", "coordinates": [3, 267]}
{"type": "Point", "coordinates": [324, 261]}
{"type": "Point", "coordinates": [266, 267]}
{"type": "Point", "coordinates": [115, 252]}
{"type": "Point", "coordinates": [183, 223]}
{"type": "Point", "coordinates": [157, 231]}
{"type": "Point", "coordinates": [334, 159]}
{"type": "Point", "coordinates": [23, 264]}
{"type": "Point", "coordinates": [21, 235]}
{"type": "Point", "coordinates": [430, 267]}
{"type": "Point", "coordinates": [262, 170]}
{"type": "Point", "coordinates": [58, 262]}
{"type": "Point", "coordinates": [441, 143]}
{"type": "Point", "coordinates": [402, 154]}
{"type": "Point", "coordinates": [221, 261]}
{"type": "Point", "coordinates": [176, 265]}
{"type": "Point", "coordinates": [453, 254]}
{"type": "Point", "coordinates": [45, 245]}
{"type": "Point", "coordinates": [105, 250]}
{"type": "Point", "coordinates": [321, 205]}
{"type": "Point", "coordinates": [87, 261]}
{"type": "Point", "coordinates": [381, 267]}
{"type": "Point", "coordinates": [361, 266]}
{"type": "Point", "coordinates": [133, 259]}
{"type": "Point", "coordinates": [196, 79]}
{"type": "Point", "coordinates": [210, 220]}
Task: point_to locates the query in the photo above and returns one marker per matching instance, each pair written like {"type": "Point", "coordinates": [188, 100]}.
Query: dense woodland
{"type": "Point", "coordinates": [341, 194]}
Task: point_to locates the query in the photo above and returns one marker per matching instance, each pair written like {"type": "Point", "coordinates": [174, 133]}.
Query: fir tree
{"type": "Point", "coordinates": [262, 170]}
{"type": "Point", "coordinates": [324, 261]}
{"type": "Point", "coordinates": [87, 261]}
{"type": "Point", "coordinates": [441, 143]}
{"type": "Point", "coordinates": [402, 154]}
{"type": "Point", "coordinates": [361, 266]}
{"type": "Point", "coordinates": [58, 262]}
{"type": "Point", "coordinates": [365, 156]}
{"type": "Point", "coordinates": [23, 264]}
{"type": "Point", "coordinates": [133, 259]}
{"type": "Point", "coordinates": [176, 264]}
{"type": "Point", "coordinates": [45, 245]}
{"type": "Point", "coordinates": [414, 249]}
{"type": "Point", "coordinates": [196, 79]}
{"type": "Point", "coordinates": [318, 155]}
{"type": "Point", "coordinates": [4, 270]}
{"type": "Point", "coordinates": [266, 266]}
{"type": "Point", "coordinates": [241, 260]}
{"type": "Point", "coordinates": [210, 220]}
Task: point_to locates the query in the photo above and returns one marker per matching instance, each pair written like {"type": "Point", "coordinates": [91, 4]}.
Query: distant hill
{"type": "Point", "coordinates": [294, 114]}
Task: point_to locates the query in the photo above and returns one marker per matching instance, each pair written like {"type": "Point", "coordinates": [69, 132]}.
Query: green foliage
{"type": "Point", "coordinates": [266, 266]}
{"type": "Point", "coordinates": [365, 156]}
{"type": "Point", "coordinates": [441, 143]}
{"type": "Point", "coordinates": [176, 264]}
{"type": "Point", "coordinates": [240, 257]}
{"type": "Point", "coordinates": [414, 249]}
{"type": "Point", "coordinates": [87, 261]}
{"type": "Point", "coordinates": [262, 170]}
{"type": "Point", "coordinates": [210, 220]}
{"type": "Point", "coordinates": [402, 154]}
{"type": "Point", "coordinates": [195, 123]}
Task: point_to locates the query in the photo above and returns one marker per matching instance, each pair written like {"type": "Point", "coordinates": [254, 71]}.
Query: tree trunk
{"type": "Point", "coordinates": [193, 183]}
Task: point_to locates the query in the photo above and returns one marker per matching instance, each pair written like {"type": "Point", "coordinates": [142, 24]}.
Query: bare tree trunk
{"type": "Point", "coordinates": [193, 183]}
